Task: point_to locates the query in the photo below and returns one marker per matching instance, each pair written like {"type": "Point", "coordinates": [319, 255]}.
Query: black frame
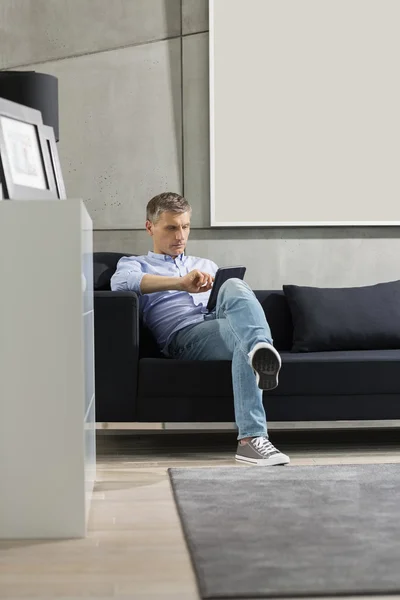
{"type": "Point", "coordinates": [50, 138]}
{"type": "Point", "coordinates": [12, 191]}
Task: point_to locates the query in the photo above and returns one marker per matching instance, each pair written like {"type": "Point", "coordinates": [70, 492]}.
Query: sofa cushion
{"type": "Point", "coordinates": [104, 267]}
{"type": "Point", "coordinates": [278, 315]}
{"type": "Point", "coordinates": [360, 318]}
{"type": "Point", "coordinates": [319, 373]}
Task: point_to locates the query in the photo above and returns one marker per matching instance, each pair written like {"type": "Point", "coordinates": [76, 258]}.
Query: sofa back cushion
{"type": "Point", "coordinates": [279, 317]}
{"type": "Point", "coordinates": [274, 304]}
{"type": "Point", "coordinates": [104, 267]}
{"type": "Point", "coordinates": [277, 313]}
{"type": "Point", "coordinates": [358, 318]}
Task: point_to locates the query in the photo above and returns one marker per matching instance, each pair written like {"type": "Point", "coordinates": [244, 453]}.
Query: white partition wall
{"type": "Point", "coordinates": [47, 405]}
{"type": "Point", "coordinates": [304, 107]}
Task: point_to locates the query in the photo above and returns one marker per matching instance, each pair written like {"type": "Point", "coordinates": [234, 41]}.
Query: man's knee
{"type": "Point", "coordinates": [233, 285]}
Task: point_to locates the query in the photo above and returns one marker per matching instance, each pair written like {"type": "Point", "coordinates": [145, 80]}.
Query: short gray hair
{"type": "Point", "coordinates": [166, 202]}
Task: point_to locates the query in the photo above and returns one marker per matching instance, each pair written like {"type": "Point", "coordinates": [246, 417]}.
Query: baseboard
{"type": "Point", "coordinates": [272, 425]}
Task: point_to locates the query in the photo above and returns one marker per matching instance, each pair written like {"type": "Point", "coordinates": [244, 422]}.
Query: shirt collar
{"type": "Point", "coordinates": [180, 257]}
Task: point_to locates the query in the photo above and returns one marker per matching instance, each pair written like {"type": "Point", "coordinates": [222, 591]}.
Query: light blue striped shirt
{"type": "Point", "coordinates": [164, 313]}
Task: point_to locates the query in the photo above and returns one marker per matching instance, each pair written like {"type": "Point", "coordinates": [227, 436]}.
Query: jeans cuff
{"type": "Point", "coordinates": [253, 435]}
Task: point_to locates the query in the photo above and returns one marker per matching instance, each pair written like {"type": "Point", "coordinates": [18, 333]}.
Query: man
{"type": "Point", "coordinates": [174, 289]}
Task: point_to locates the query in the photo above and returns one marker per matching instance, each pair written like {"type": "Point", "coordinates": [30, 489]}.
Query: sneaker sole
{"type": "Point", "coordinates": [267, 366]}
{"type": "Point", "coordinates": [263, 462]}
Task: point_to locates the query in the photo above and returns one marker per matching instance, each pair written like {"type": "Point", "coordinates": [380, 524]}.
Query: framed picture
{"type": "Point", "coordinates": [26, 172]}
{"type": "Point", "coordinates": [49, 136]}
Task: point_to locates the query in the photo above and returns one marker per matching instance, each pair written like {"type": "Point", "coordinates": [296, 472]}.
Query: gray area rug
{"type": "Point", "coordinates": [276, 532]}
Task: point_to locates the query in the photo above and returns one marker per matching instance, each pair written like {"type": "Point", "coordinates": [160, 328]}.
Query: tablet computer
{"type": "Point", "coordinates": [221, 276]}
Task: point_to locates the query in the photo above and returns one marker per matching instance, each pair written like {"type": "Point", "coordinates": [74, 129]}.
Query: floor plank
{"type": "Point", "coordinates": [135, 547]}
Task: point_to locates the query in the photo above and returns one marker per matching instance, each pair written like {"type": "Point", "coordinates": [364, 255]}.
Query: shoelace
{"type": "Point", "coordinates": [264, 445]}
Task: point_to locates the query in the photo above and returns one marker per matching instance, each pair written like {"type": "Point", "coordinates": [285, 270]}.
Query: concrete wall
{"type": "Point", "coordinates": [133, 77]}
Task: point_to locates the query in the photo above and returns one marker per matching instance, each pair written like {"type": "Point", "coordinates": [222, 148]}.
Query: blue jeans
{"type": "Point", "coordinates": [229, 333]}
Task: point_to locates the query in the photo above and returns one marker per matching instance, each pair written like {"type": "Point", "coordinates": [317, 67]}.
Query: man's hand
{"type": "Point", "coordinates": [196, 281]}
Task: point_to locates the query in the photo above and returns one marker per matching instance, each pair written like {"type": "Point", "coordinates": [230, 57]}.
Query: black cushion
{"type": "Point", "coordinates": [278, 315]}
{"type": "Point", "coordinates": [104, 267]}
{"type": "Point", "coordinates": [311, 374]}
{"type": "Point", "coordinates": [148, 347]}
{"type": "Point", "coordinates": [361, 318]}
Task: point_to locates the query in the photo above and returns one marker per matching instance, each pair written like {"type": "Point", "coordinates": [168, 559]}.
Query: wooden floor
{"type": "Point", "coordinates": [135, 547]}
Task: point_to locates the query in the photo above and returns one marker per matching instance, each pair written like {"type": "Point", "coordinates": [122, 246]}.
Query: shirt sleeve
{"type": "Point", "coordinates": [128, 276]}
{"type": "Point", "coordinates": [215, 266]}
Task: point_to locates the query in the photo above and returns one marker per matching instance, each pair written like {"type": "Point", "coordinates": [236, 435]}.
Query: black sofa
{"type": "Point", "coordinates": [136, 383]}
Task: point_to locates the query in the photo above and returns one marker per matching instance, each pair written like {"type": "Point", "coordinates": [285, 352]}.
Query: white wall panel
{"type": "Point", "coordinates": [305, 126]}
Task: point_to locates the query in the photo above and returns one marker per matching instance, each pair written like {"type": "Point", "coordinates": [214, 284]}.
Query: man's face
{"type": "Point", "coordinates": [170, 233]}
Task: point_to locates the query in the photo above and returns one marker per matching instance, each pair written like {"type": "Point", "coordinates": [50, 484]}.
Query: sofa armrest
{"type": "Point", "coordinates": [116, 342]}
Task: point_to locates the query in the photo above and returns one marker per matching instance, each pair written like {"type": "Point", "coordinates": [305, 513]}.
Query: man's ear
{"type": "Point", "coordinates": [149, 227]}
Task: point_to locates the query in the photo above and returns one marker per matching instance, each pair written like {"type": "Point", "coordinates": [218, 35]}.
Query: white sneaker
{"type": "Point", "coordinates": [266, 363]}
{"type": "Point", "coordinates": [260, 451]}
